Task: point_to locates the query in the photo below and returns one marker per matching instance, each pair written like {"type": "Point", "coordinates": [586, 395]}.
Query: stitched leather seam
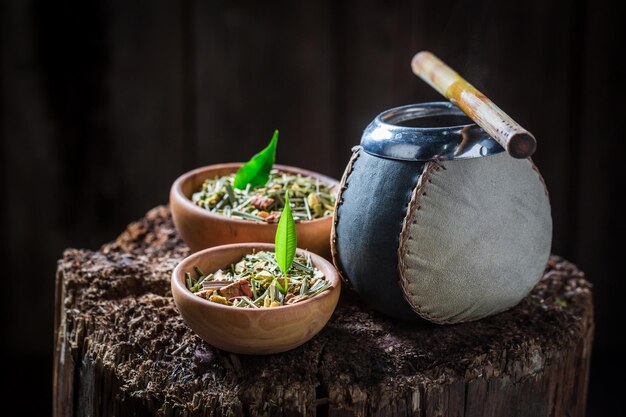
{"type": "Point", "coordinates": [356, 152]}
{"type": "Point", "coordinates": [403, 251]}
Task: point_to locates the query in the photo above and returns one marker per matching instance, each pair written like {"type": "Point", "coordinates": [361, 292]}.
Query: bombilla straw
{"type": "Point", "coordinates": [517, 141]}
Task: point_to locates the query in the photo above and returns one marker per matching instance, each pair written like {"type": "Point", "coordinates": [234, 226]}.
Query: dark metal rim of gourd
{"type": "Point", "coordinates": [425, 132]}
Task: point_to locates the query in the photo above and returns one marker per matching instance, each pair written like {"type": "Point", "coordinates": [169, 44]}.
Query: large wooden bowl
{"type": "Point", "coordinates": [201, 229]}
{"type": "Point", "coordinates": [252, 331]}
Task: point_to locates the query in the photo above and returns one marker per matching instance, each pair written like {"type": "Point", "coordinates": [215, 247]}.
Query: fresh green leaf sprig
{"type": "Point", "coordinates": [251, 282]}
{"type": "Point", "coordinates": [286, 243]}
{"type": "Point", "coordinates": [254, 281]}
{"type": "Point", "coordinates": [255, 192]}
{"type": "Point", "coordinates": [257, 170]}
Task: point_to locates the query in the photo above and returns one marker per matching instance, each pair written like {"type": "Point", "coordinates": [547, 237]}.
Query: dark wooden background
{"type": "Point", "coordinates": [104, 103]}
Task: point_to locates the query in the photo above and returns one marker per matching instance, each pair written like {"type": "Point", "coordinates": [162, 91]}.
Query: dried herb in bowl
{"type": "Point", "coordinates": [311, 199]}
{"type": "Point", "coordinates": [257, 192]}
{"type": "Point", "coordinates": [256, 281]}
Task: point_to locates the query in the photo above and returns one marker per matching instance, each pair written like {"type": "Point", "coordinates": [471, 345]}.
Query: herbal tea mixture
{"type": "Point", "coordinates": [311, 198]}
{"type": "Point", "coordinates": [256, 281]}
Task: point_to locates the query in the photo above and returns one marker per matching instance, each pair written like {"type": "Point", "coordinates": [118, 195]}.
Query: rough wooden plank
{"type": "Point", "coordinates": [5, 308]}
{"type": "Point", "coordinates": [596, 194]}
{"type": "Point", "coordinates": [260, 67]}
{"type": "Point", "coordinates": [29, 165]}
{"type": "Point", "coordinates": [602, 148]}
{"type": "Point", "coordinates": [368, 54]}
{"type": "Point", "coordinates": [131, 352]}
{"type": "Point", "coordinates": [91, 104]}
{"type": "Point", "coordinates": [145, 102]}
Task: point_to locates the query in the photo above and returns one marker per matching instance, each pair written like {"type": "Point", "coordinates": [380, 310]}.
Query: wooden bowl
{"type": "Point", "coordinates": [201, 229]}
{"type": "Point", "coordinates": [252, 331]}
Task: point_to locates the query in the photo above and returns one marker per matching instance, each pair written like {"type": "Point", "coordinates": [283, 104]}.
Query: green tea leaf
{"type": "Point", "coordinates": [257, 170]}
{"type": "Point", "coordinates": [286, 239]}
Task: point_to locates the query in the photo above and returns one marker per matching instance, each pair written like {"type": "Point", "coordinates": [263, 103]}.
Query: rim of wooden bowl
{"type": "Point", "coordinates": [187, 264]}
{"type": "Point", "coordinates": [177, 190]}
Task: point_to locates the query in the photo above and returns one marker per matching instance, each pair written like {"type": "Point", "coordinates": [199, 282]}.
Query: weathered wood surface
{"type": "Point", "coordinates": [122, 349]}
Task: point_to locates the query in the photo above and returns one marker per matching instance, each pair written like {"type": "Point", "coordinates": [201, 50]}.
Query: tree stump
{"type": "Point", "coordinates": [123, 350]}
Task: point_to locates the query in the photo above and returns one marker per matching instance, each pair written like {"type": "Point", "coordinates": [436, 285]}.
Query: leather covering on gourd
{"type": "Point", "coordinates": [448, 241]}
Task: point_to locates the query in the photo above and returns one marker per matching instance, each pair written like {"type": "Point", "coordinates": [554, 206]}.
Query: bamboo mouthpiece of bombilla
{"type": "Point", "coordinates": [517, 141]}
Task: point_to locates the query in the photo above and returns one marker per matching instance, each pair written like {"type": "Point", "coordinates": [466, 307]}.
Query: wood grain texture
{"type": "Point", "coordinates": [596, 123]}
{"type": "Point", "coordinates": [259, 67]}
{"type": "Point", "coordinates": [123, 349]}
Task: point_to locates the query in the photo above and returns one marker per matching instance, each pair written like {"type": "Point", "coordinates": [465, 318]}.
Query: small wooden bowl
{"type": "Point", "coordinates": [201, 229]}
{"type": "Point", "coordinates": [252, 331]}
